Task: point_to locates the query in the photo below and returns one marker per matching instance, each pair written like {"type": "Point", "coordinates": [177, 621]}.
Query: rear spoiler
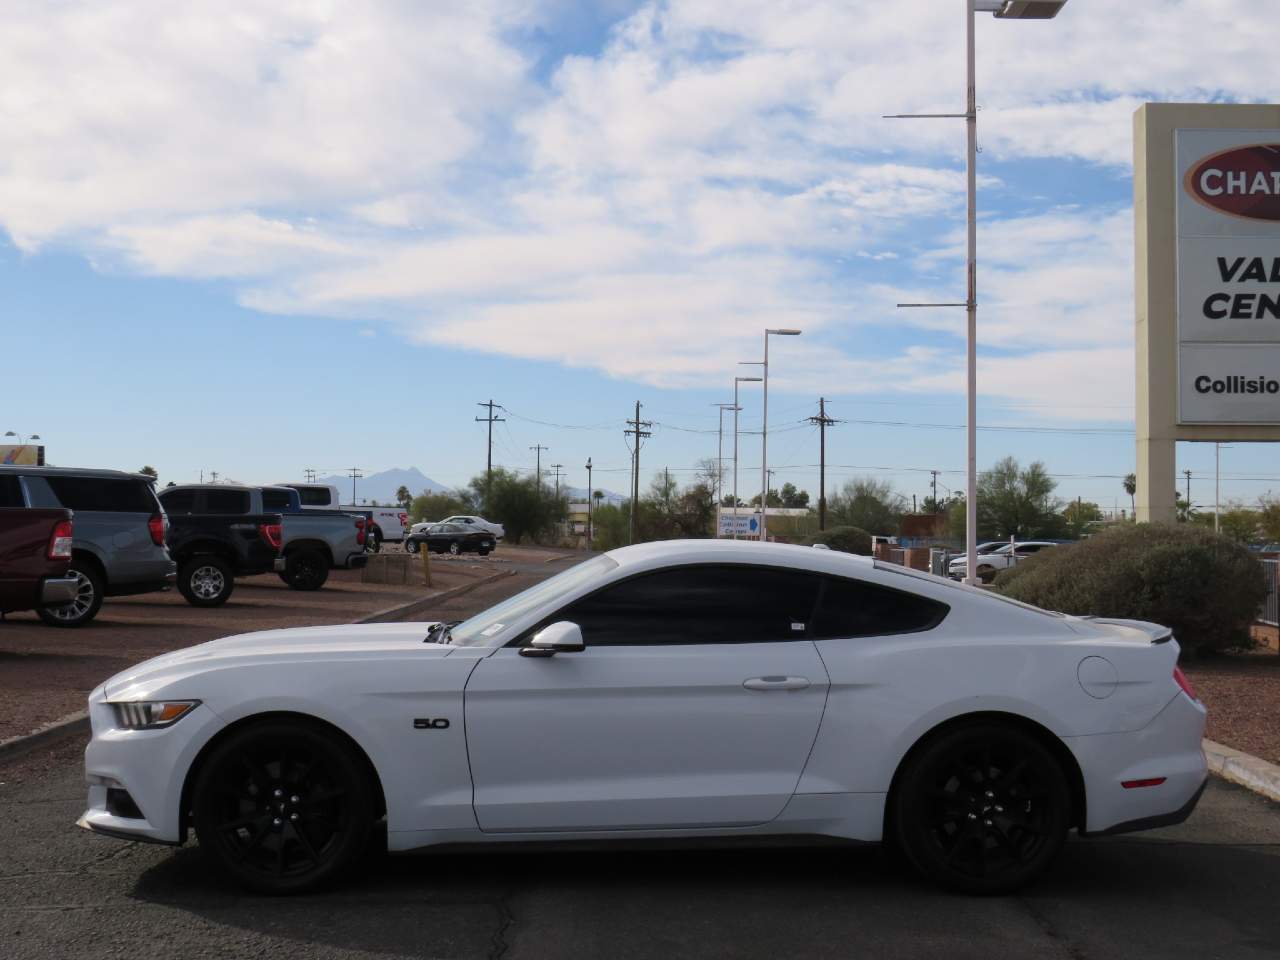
{"type": "Point", "coordinates": [1155, 631]}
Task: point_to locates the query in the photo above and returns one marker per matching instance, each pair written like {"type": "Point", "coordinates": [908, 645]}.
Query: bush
{"type": "Point", "coordinates": [1204, 586]}
{"type": "Point", "coordinates": [845, 539]}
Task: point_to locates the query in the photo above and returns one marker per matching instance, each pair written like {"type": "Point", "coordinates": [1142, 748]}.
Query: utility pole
{"type": "Point", "coordinates": [557, 468]}
{"type": "Point", "coordinates": [355, 474]}
{"type": "Point", "coordinates": [213, 476]}
{"type": "Point", "coordinates": [310, 474]}
{"type": "Point", "coordinates": [488, 460]}
{"type": "Point", "coordinates": [590, 502]}
{"type": "Point", "coordinates": [636, 429]}
{"type": "Point", "coordinates": [934, 473]}
{"type": "Point", "coordinates": [1187, 473]}
{"type": "Point", "coordinates": [538, 448]}
{"type": "Point", "coordinates": [823, 421]}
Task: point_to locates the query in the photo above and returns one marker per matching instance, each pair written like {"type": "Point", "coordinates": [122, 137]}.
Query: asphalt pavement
{"type": "Point", "coordinates": [1202, 890]}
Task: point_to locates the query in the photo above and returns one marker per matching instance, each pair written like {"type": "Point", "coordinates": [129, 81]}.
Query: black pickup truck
{"type": "Point", "coordinates": [215, 542]}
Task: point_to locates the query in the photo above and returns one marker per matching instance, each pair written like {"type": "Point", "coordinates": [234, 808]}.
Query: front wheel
{"type": "Point", "coordinates": [83, 607]}
{"type": "Point", "coordinates": [206, 581]}
{"type": "Point", "coordinates": [411, 546]}
{"type": "Point", "coordinates": [283, 807]}
{"type": "Point", "coordinates": [982, 809]}
{"type": "Point", "coordinates": [455, 548]}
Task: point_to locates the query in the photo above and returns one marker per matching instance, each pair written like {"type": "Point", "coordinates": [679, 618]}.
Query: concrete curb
{"type": "Point", "coordinates": [1242, 768]}
{"type": "Point", "coordinates": [416, 606]}
{"type": "Point", "coordinates": [68, 726]}
{"type": "Point", "coordinates": [78, 723]}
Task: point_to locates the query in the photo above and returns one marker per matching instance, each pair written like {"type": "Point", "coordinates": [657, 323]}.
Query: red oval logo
{"type": "Point", "coordinates": [1240, 182]}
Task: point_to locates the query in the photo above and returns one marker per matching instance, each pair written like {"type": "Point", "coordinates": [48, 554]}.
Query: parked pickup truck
{"type": "Point", "coordinates": [390, 523]}
{"type": "Point", "coordinates": [219, 532]}
{"type": "Point", "coordinates": [35, 555]}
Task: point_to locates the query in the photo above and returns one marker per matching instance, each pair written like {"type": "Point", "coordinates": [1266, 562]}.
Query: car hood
{"type": "Point", "coordinates": [354, 641]}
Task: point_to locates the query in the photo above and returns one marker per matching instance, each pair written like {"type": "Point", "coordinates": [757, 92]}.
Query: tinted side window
{"type": "Point", "coordinates": [103, 493]}
{"type": "Point", "coordinates": [226, 501]}
{"type": "Point", "coordinates": [10, 491]}
{"type": "Point", "coordinates": [314, 496]}
{"type": "Point", "coordinates": [854, 608]}
{"type": "Point", "coordinates": [703, 604]}
{"type": "Point", "coordinates": [178, 501]}
{"type": "Point", "coordinates": [275, 500]}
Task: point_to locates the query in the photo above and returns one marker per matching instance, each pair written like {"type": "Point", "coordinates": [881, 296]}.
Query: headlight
{"type": "Point", "coordinates": [151, 714]}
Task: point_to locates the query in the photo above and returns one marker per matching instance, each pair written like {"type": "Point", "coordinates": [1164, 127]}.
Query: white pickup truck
{"type": "Point", "coordinates": [389, 523]}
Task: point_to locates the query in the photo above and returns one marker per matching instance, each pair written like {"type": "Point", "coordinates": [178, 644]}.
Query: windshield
{"type": "Point", "coordinates": [477, 630]}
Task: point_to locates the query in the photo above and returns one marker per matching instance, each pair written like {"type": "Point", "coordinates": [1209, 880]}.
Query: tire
{"type": "Point", "coordinates": [283, 807]}
{"type": "Point", "coordinates": [411, 546]}
{"type": "Point", "coordinates": [484, 551]}
{"type": "Point", "coordinates": [206, 581]}
{"type": "Point", "coordinates": [306, 570]}
{"type": "Point", "coordinates": [982, 808]}
{"type": "Point", "coordinates": [455, 548]}
{"type": "Point", "coordinates": [88, 601]}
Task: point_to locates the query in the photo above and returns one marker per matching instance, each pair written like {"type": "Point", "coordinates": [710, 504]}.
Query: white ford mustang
{"type": "Point", "coordinates": [687, 688]}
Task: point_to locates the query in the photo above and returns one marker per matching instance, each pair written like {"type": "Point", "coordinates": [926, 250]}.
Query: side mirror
{"type": "Point", "coordinates": [562, 637]}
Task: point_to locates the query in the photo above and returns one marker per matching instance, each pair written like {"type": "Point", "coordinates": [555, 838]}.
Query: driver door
{"type": "Point", "coordinates": [695, 703]}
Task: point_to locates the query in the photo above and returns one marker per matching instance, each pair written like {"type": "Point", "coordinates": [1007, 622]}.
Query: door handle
{"type": "Point", "coordinates": [776, 683]}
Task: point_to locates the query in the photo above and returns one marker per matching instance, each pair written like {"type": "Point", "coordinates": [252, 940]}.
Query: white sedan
{"type": "Point", "coordinates": [687, 688]}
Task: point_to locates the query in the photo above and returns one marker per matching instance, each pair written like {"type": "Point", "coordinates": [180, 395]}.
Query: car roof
{"type": "Point", "coordinates": [209, 486]}
{"type": "Point", "coordinates": [95, 472]}
{"type": "Point", "coordinates": [663, 552]}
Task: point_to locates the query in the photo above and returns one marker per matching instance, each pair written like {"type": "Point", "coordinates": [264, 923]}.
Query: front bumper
{"type": "Point", "coordinates": [151, 765]}
{"type": "Point", "coordinates": [57, 590]}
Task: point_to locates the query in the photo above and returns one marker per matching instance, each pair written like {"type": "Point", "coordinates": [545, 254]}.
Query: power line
{"type": "Point", "coordinates": [637, 430]}
{"type": "Point", "coordinates": [488, 463]}
{"type": "Point", "coordinates": [823, 421]}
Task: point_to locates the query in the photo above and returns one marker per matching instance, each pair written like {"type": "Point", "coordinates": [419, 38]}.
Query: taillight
{"type": "Point", "coordinates": [60, 541]}
{"type": "Point", "coordinates": [157, 526]}
{"type": "Point", "coordinates": [1181, 680]}
{"type": "Point", "coordinates": [360, 531]}
{"type": "Point", "coordinates": [273, 533]}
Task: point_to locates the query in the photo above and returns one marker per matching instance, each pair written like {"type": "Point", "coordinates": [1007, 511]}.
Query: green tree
{"type": "Point", "coordinates": [793, 498]}
{"type": "Point", "coordinates": [436, 506]}
{"type": "Point", "coordinates": [1269, 518]}
{"type": "Point", "coordinates": [1131, 488]}
{"type": "Point", "coordinates": [523, 506]}
{"type": "Point", "coordinates": [150, 471]}
{"type": "Point", "coordinates": [1017, 502]}
{"type": "Point", "coordinates": [1079, 514]}
{"type": "Point", "coordinates": [403, 497]}
{"type": "Point", "coordinates": [869, 504]}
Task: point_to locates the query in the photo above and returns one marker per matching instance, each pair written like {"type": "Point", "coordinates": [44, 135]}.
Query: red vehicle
{"type": "Point", "coordinates": [35, 553]}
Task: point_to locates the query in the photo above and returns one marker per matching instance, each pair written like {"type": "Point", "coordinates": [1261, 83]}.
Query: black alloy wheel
{"type": "Point", "coordinates": [283, 807]}
{"type": "Point", "coordinates": [455, 547]}
{"type": "Point", "coordinates": [982, 809]}
{"type": "Point", "coordinates": [86, 603]}
{"type": "Point", "coordinates": [306, 570]}
{"type": "Point", "coordinates": [206, 581]}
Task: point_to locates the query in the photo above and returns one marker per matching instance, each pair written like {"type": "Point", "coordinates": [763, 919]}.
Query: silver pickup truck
{"type": "Point", "coordinates": [312, 542]}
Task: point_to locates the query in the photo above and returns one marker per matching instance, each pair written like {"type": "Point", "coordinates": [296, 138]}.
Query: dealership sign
{"type": "Point", "coordinates": [1228, 250]}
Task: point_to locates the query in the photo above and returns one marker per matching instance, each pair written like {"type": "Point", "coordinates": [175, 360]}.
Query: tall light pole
{"type": "Point", "coordinates": [736, 409]}
{"type": "Point", "coordinates": [21, 439]}
{"type": "Point", "coordinates": [719, 484]}
{"type": "Point", "coordinates": [1003, 10]}
{"type": "Point", "coordinates": [764, 433]}
{"type": "Point", "coordinates": [590, 500]}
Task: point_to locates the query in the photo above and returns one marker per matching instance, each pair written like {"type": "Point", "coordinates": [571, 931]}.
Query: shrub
{"type": "Point", "coordinates": [1204, 586]}
{"type": "Point", "coordinates": [844, 539]}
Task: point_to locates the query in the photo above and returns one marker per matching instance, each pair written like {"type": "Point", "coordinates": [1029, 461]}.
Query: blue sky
{"type": "Point", "coordinates": [258, 240]}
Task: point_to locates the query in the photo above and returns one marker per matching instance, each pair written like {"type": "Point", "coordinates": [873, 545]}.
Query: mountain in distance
{"type": "Point", "coordinates": [382, 486]}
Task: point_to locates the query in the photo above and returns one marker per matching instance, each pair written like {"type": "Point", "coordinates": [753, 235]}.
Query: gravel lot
{"type": "Point", "coordinates": [1242, 694]}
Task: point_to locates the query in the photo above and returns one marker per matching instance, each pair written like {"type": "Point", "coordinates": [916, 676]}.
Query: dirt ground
{"type": "Point", "coordinates": [1242, 694]}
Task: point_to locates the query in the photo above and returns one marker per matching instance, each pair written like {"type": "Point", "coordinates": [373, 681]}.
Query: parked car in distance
{"type": "Point", "coordinates": [454, 538]}
{"type": "Point", "coordinates": [118, 547]}
{"type": "Point", "coordinates": [1002, 557]}
{"type": "Point", "coordinates": [35, 554]}
{"type": "Point", "coordinates": [223, 531]}
{"type": "Point", "coordinates": [472, 522]}
{"type": "Point", "coordinates": [390, 523]}
{"type": "Point", "coordinates": [695, 688]}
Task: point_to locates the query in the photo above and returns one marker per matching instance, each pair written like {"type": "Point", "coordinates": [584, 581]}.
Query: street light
{"type": "Point", "coordinates": [764, 434]}
{"type": "Point", "coordinates": [736, 408]}
{"type": "Point", "coordinates": [719, 482]}
{"type": "Point", "coordinates": [589, 503]}
{"type": "Point", "coordinates": [21, 439]}
{"type": "Point", "coordinates": [1004, 10]}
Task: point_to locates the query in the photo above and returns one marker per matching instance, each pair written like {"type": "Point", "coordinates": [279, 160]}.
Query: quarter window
{"type": "Point", "coordinates": [178, 502]}
{"type": "Point", "coordinates": [696, 605]}
{"type": "Point", "coordinates": [10, 491]}
{"type": "Point", "coordinates": [226, 501]}
{"type": "Point", "coordinates": [856, 608]}
{"type": "Point", "coordinates": [104, 494]}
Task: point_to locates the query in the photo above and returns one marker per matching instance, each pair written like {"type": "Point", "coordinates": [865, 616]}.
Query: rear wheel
{"type": "Point", "coordinates": [455, 547]}
{"type": "Point", "coordinates": [86, 604]}
{"type": "Point", "coordinates": [411, 546]}
{"type": "Point", "coordinates": [206, 581]}
{"type": "Point", "coordinates": [283, 807]}
{"type": "Point", "coordinates": [982, 809]}
{"type": "Point", "coordinates": [306, 570]}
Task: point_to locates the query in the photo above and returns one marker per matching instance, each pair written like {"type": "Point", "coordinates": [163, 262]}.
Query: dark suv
{"type": "Point", "coordinates": [119, 533]}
